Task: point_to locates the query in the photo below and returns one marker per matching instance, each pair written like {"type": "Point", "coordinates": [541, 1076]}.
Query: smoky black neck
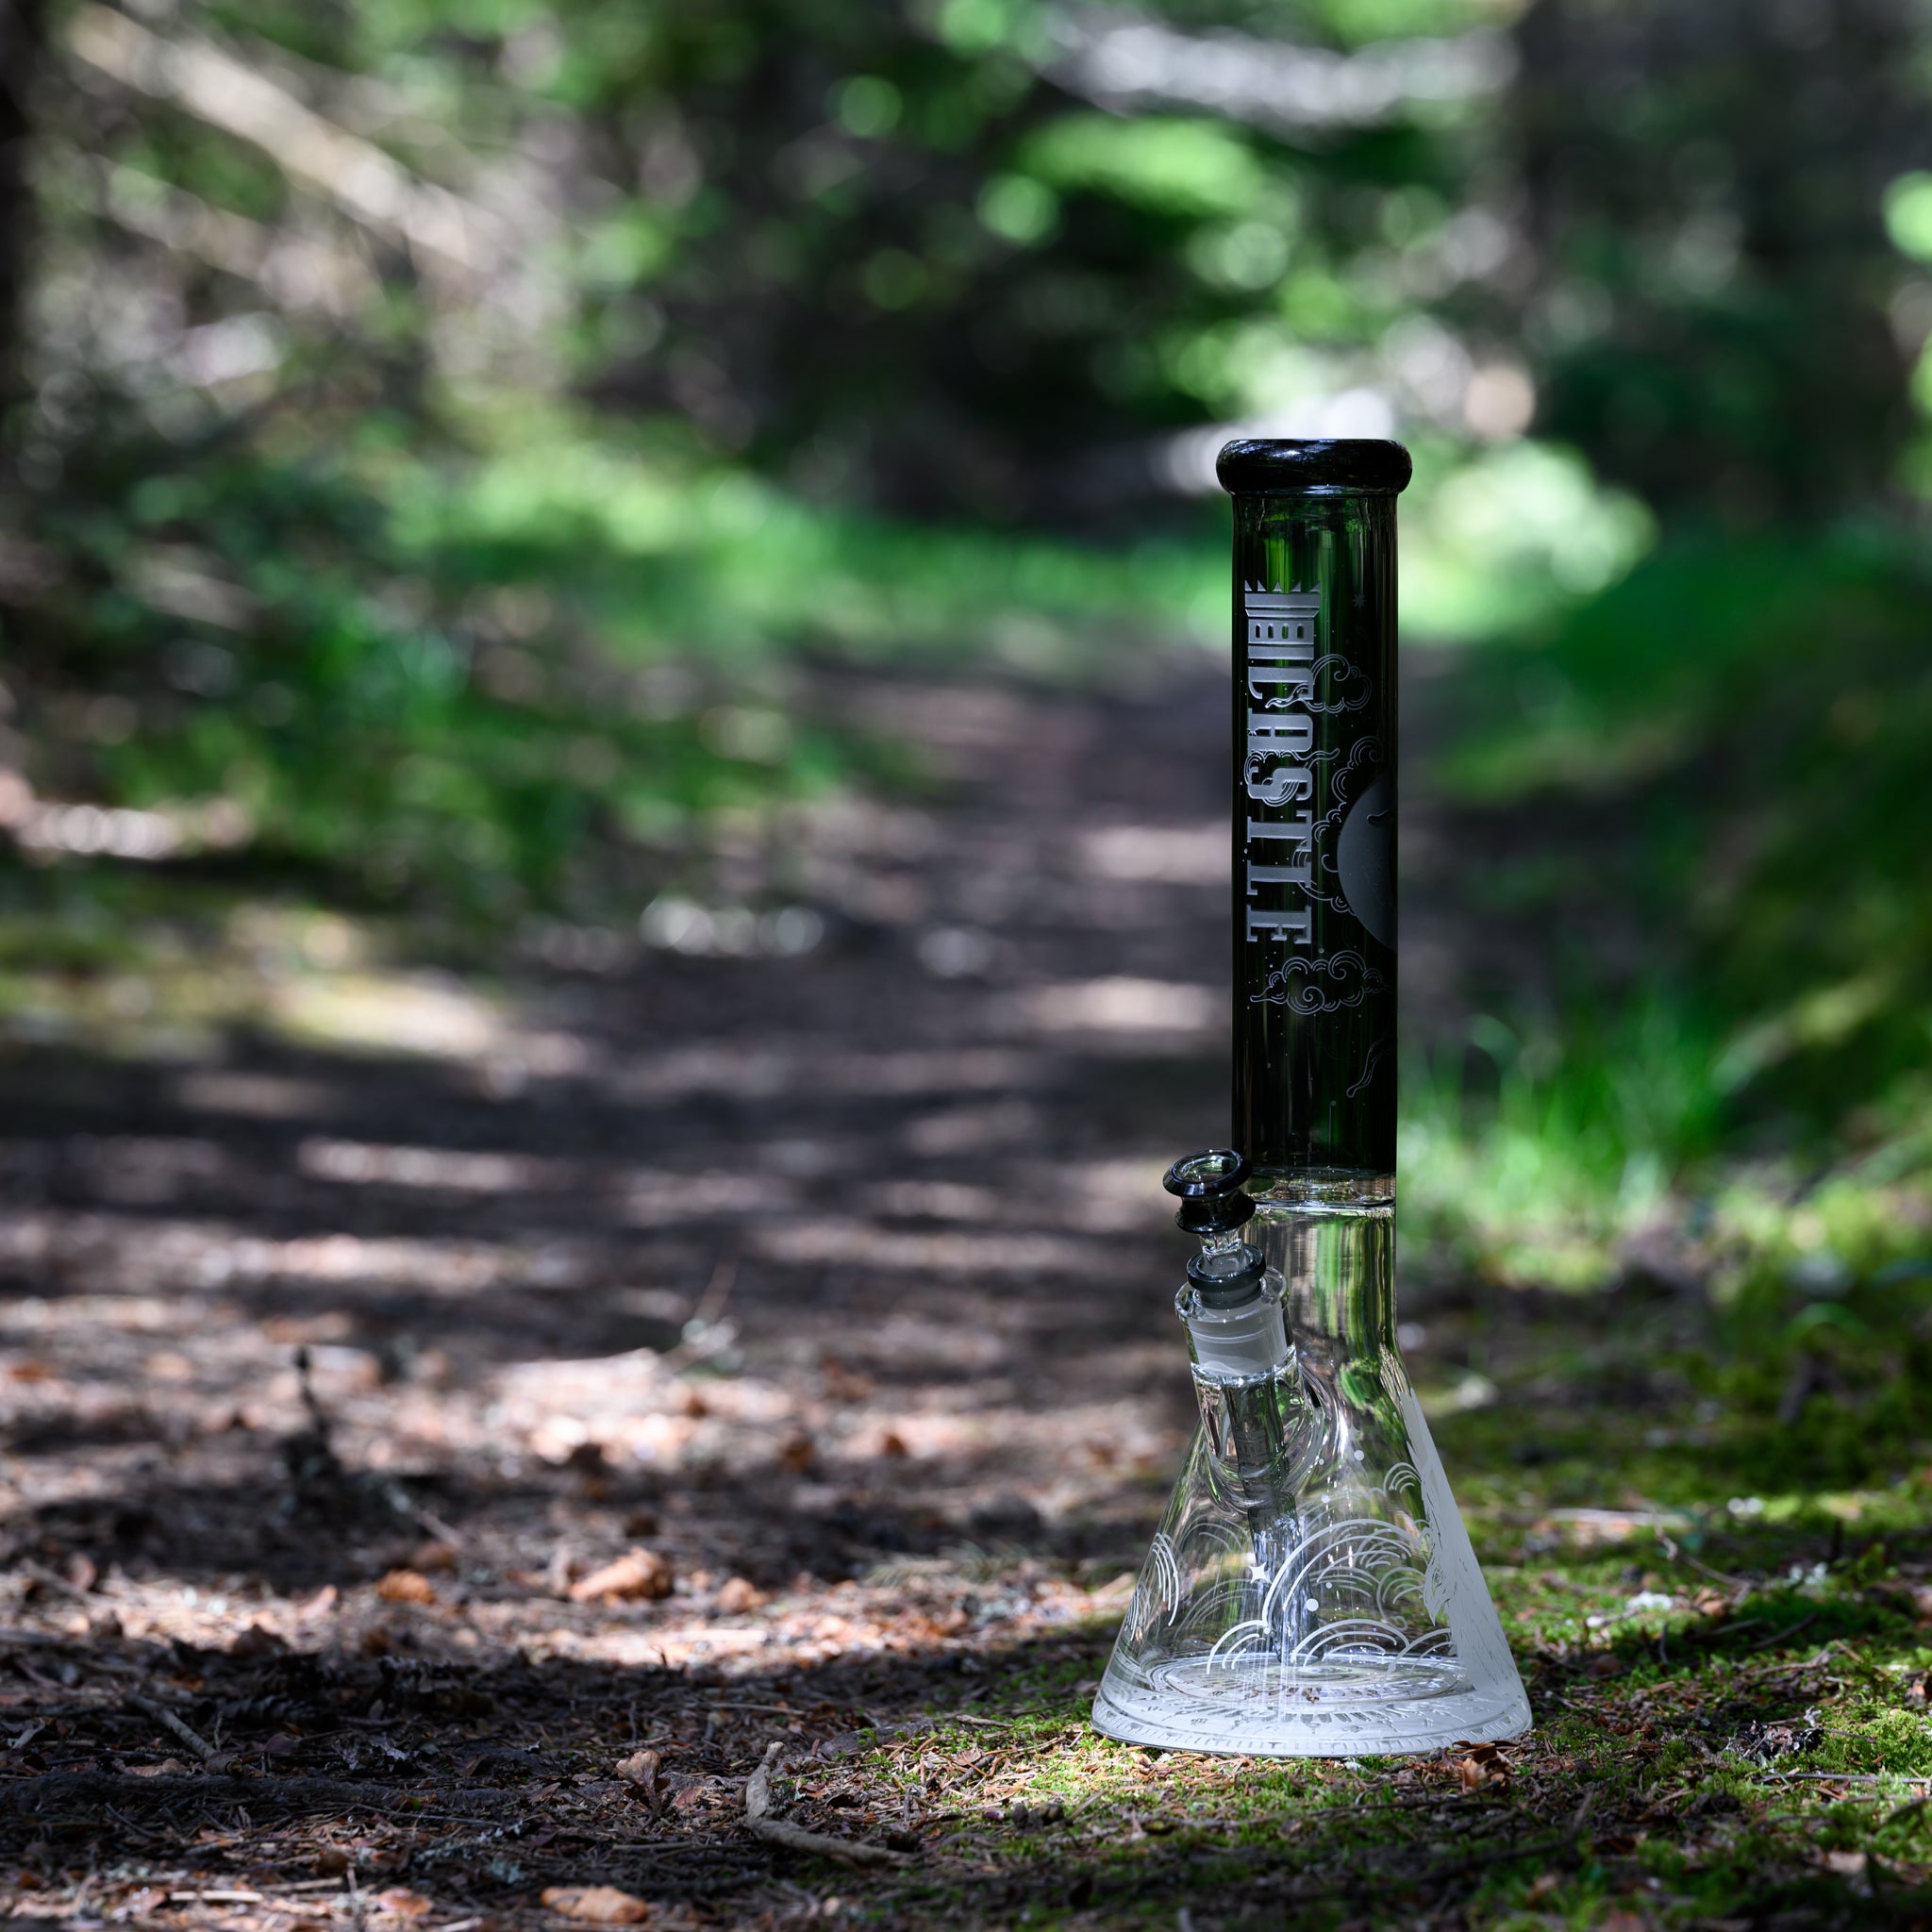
{"type": "Point", "coordinates": [1314, 833]}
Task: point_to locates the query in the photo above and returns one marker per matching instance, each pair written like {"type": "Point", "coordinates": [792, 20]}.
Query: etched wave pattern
{"type": "Point", "coordinates": [1357, 1622]}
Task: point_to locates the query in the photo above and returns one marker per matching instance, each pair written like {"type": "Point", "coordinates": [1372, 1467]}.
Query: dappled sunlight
{"type": "Point", "coordinates": [614, 898]}
{"type": "Point", "coordinates": [1120, 1004]}
{"type": "Point", "coordinates": [388, 1013]}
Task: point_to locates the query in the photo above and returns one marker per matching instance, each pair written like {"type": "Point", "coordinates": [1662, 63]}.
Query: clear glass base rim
{"type": "Point", "coordinates": [1394, 1730]}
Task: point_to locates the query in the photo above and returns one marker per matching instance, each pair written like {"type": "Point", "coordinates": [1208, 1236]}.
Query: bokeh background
{"type": "Point", "coordinates": [613, 643]}
{"type": "Point", "coordinates": [455, 450]}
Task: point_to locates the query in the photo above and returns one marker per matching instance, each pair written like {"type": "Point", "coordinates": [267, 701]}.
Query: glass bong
{"type": "Point", "coordinates": [1312, 1591]}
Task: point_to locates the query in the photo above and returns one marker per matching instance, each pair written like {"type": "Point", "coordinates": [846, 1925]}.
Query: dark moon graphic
{"type": "Point", "coordinates": [1365, 859]}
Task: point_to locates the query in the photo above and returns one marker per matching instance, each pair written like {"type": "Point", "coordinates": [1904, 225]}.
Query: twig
{"type": "Point", "coordinates": [360, 178]}
{"type": "Point", "coordinates": [758, 1818]}
{"type": "Point", "coordinates": [444, 1532]}
{"type": "Point", "coordinates": [52, 1579]}
{"type": "Point", "coordinates": [1769, 1670]}
{"type": "Point", "coordinates": [170, 1723]}
{"type": "Point", "coordinates": [703, 1317]}
{"type": "Point", "coordinates": [1677, 1555]}
{"type": "Point", "coordinates": [1790, 1630]}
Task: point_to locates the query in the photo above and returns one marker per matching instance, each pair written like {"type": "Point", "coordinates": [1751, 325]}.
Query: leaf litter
{"type": "Point", "coordinates": [759, 1491]}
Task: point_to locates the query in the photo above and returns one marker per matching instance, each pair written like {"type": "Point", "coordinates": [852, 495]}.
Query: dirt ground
{"type": "Point", "coordinates": [834, 1278]}
{"type": "Point", "coordinates": [808, 1265]}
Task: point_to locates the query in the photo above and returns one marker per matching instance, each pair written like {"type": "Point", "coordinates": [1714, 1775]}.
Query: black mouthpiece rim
{"type": "Point", "coordinates": [1201, 1176]}
{"type": "Point", "coordinates": [1314, 466]}
{"type": "Point", "coordinates": [1209, 1185]}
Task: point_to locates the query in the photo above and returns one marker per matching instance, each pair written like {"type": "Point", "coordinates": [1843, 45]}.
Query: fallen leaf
{"type": "Point", "coordinates": [405, 1586]}
{"type": "Point", "coordinates": [1483, 1765]}
{"type": "Point", "coordinates": [844, 1384]}
{"type": "Point", "coordinates": [1617, 1845]}
{"type": "Point", "coordinates": [333, 1860]}
{"type": "Point", "coordinates": [893, 1444]}
{"type": "Point", "coordinates": [1846, 1864]}
{"type": "Point", "coordinates": [915, 1627]}
{"type": "Point", "coordinates": [640, 1574]}
{"type": "Point", "coordinates": [739, 1596]}
{"type": "Point", "coordinates": [798, 1453]}
{"type": "Point", "coordinates": [596, 1905]}
{"type": "Point", "coordinates": [1605, 1665]}
{"type": "Point", "coordinates": [1619, 1920]}
{"type": "Point", "coordinates": [403, 1903]}
{"type": "Point", "coordinates": [640, 1769]}
{"type": "Point", "coordinates": [1544, 1888]}
{"type": "Point", "coordinates": [434, 1558]}
{"type": "Point", "coordinates": [168, 1767]}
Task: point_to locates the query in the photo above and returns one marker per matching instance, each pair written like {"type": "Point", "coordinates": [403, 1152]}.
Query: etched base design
{"type": "Point", "coordinates": [1323, 1604]}
{"type": "Point", "coordinates": [1348, 1711]}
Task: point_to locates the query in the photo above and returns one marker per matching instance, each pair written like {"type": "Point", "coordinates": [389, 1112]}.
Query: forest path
{"type": "Point", "coordinates": [832, 1278]}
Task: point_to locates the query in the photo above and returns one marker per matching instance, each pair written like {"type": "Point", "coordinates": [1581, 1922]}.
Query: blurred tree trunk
{"type": "Point", "coordinates": [1702, 186]}
{"type": "Point", "coordinates": [22, 34]}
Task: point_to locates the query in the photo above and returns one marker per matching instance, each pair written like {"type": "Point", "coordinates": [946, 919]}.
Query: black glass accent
{"type": "Point", "coordinates": [1209, 1188]}
{"type": "Point", "coordinates": [1314, 803]}
{"type": "Point", "coordinates": [1250, 467]}
{"type": "Point", "coordinates": [1228, 1280]}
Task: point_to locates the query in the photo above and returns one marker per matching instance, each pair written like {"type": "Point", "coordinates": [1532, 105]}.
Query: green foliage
{"type": "Point", "coordinates": [1729, 747]}
{"type": "Point", "coordinates": [1759, 711]}
{"type": "Point", "coordinates": [472, 677]}
{"type": "Point", "coordinates": [1179, 168]}
{"type": "Point", "coordinates": [1530, 1165]}
{"type": "Point", "coordinates": [450, 492]}
{"type": "Point", "coordinates": [1706, 318]}
{"type": "Point", "coordinates": [467, 538]}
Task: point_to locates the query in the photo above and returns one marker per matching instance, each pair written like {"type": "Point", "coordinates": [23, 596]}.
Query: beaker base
{"type": "Point", "coordinates": [1350, 1710]}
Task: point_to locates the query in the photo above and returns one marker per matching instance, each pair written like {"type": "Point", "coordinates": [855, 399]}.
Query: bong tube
{"type": "Point", "coordinates": [1312, 1591]}
{"type": "Point", "coordinates": [1289, 1307]}
{"type": "Point", "coordinates": [1314, 814]}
